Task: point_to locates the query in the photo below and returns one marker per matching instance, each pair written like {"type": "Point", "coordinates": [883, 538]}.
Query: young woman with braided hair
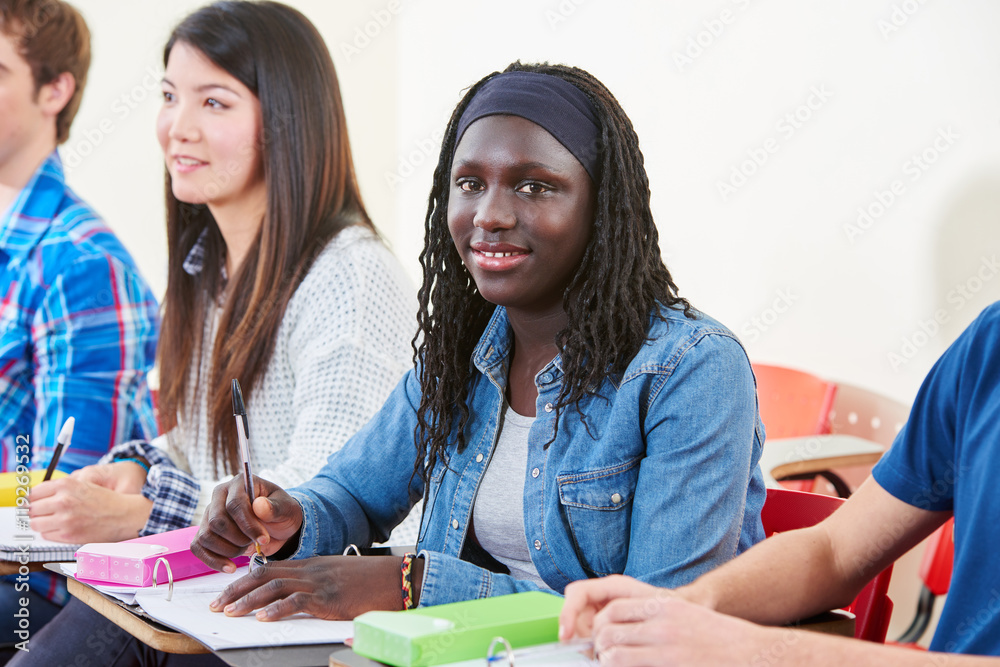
{"type": "Point", "coordinates": [569, 416]}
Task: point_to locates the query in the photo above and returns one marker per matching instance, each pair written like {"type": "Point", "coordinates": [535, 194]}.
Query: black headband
{"type": "Point", "coordinates": [555, 104]}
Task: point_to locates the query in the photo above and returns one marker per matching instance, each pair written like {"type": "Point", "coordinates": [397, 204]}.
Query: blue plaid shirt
{"type": "Point", "coordinates": [78, 328]}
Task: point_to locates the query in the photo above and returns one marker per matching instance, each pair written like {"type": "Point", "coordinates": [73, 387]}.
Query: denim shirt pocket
{"type": "Point", "coordinates": [597, 506]}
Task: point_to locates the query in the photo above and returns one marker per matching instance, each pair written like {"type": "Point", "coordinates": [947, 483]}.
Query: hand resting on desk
{"type": "Point", "coordinates": [98, 503]}
{"type": "Point", "coordinates": [330, 587]}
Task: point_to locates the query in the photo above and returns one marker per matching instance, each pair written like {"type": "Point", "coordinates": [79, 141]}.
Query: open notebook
{"type": "Point", "coordinates": [19, 543]}
{"type": "Point", "coordinates": [187, 611]}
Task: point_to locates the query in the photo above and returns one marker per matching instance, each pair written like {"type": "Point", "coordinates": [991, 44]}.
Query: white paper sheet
{"type": "Point", "coordinates": [189, 613]}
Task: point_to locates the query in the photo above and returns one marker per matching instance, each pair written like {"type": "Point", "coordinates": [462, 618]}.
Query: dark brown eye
{"type": "Point", "coordinates": [534, 188]}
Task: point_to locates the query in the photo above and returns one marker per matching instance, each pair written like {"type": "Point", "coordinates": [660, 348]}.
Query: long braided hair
{"type": "Point", "coordinates": [618, 287]}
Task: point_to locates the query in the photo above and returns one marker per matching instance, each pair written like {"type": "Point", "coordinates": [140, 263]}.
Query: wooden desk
{"type": "Point", "coordinates": [784, 457]}
{"type": "Point", "coordinates": [319, 655]}
{"type": "Point", "coordinates": [167, 640]}
{"type": "Point", "coordinates": [13, 567]}
{"type": "Point", "coordinates": [145, 630]}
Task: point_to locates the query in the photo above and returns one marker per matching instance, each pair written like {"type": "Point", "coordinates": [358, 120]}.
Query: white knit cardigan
{"type": "Point", "coordinates": [343, 344]}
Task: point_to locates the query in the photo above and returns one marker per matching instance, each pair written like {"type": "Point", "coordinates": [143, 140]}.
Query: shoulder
{"type": "Point", "coordinates": [78, 243]}
{"type": "Point", "coordinates": [985, 330]}
{"type": "Point", "coordinates": [972, 362]}
{"type": "Point", "coordinates": [355, 283]}
{"type": "Point", "coordinates": [674, 337]}
{"type": "Point", "coordinates": [355, 258]}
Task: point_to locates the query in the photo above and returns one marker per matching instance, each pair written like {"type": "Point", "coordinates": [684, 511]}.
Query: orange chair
{"type": "Point", "coordinates": [786, 510]}
{"type": "Point", "coordinates": [935, 572]}
{"type": "Point", "coordinates": [793, 403]}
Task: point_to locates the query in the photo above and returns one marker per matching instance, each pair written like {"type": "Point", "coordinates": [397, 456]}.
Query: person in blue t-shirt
{"type": "Point", "coordinates": [944, 463]}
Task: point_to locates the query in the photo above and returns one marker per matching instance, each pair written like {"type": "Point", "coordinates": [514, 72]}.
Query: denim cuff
{"type": "Point", "coordinates": [450, 579]}
{"type": "Point", "coordinates": [308, 534]}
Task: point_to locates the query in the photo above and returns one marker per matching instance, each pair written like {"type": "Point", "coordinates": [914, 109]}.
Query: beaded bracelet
{"type": "Point", "coordinates": [407, 570]}
{"type": "Point", "coordinates": [145, 466]}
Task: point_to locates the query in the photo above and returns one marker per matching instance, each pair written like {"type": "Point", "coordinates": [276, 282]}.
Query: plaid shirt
{"type": "Point", "coordinates": [78, 328]}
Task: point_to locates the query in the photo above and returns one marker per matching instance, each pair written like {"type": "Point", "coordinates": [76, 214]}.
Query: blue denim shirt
{"type": "Point", "coordinates": [662, 483]}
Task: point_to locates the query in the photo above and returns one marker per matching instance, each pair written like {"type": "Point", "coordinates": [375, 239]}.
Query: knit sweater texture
{"type": "Point", "coordinates": [343, 344]}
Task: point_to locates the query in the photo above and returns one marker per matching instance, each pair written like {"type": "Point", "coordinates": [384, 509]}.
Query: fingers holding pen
{"type": "Point", "coordinates": [221, 536]}
{"type": "Point", "coordinates": [232, 524]}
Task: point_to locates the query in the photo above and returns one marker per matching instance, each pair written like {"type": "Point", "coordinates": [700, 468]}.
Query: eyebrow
{"type": "Point", "coordinates": [206, 87]}
{"type": "Point", "coordinates": [520, 165]}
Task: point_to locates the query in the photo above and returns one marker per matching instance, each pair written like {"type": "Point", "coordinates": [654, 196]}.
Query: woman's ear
{"type": "Point", "coordinates": [55, 95]}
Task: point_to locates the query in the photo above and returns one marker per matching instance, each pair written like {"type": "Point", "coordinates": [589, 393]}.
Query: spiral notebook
{"type": "Point", "coordinates": [19, 543]}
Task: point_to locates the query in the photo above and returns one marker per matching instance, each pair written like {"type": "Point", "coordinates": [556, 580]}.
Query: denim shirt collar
{"type": "Point", "coordinates": [494, 346]}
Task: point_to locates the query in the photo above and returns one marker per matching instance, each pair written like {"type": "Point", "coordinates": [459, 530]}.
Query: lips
{"type": "Point", "coordinates": [185, 164]}
{"type": "Point", "coordinates": [498, 256]}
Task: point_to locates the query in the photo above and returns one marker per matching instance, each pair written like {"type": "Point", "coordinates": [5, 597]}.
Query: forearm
{"type": "Point", "coordinates": [785, 578]}
{"type": "Point", "coordinates": [782, 646]}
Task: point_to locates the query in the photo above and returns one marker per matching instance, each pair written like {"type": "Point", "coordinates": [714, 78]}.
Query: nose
{"type": "Point", "coordinates": [182, 124]}
{"type": "Point", "coordinates": [495, 211]}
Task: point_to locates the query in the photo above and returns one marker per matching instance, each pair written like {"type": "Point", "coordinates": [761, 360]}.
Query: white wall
{"type": "Point", "coordinates": [779, 241]}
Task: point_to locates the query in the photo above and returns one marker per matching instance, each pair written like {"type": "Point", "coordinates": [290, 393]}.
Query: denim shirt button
{"type": "Point", "coordinates": [538, 545]}
{"type": "Point", "coordinates": [546, 378]}
{"type": "Point", "coordinates": [534, 473]}
{"type": "Point", "coordinates": [479, 458]}
{"type": "Point", "coordinates": [548, 407]}
{"type": "Point", "coordinates": [454, 524]}
{"type": "Point", "coordinates": [616, 498]}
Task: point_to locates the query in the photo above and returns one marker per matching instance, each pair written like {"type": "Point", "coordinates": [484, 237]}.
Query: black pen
{"type": "Point", "coordinates": [243, 431]}
{"type": "Point", "coordinates": [62, 442]}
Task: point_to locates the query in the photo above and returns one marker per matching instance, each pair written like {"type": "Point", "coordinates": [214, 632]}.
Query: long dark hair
{"type": "Point", "coordinates": [312, 194]}
{"type": "Point", "coordinates": [618, 287]}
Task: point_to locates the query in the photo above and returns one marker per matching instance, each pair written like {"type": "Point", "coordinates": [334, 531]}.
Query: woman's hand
{"type": "Point", "coordinates": [231, 525]}
{"type": "Point", "coordinates": [330, 587]}
{"type": "Point", "coordinates": [120, 476]}
{"type": "Point", "coordinates": [74, 510]}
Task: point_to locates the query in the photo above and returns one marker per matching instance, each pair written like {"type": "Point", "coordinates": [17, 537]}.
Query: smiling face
{"type": "Point", "coordinates": [209, 128]}
{"type": "Point", "coordinates": [520, 211]}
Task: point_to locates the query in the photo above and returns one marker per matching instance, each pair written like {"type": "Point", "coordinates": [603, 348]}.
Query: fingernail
{"type": "Point", "coordinates": [262, 614]}
{"type": "Point", "coordinates": [214, 604]}
{"type": "Point", "coordinates": [230, 568]}
{"type": "Point", "coordinates": [230, 608]}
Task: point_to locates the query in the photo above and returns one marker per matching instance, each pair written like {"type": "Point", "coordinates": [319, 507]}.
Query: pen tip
{"type": "Point", "coordinates": [238, 407]}
{"type": "Point", "coordinates": [67, 431]}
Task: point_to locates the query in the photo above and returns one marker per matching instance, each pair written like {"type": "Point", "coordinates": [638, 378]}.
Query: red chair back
{"type": "Point", "coordinates": [786, 510]}
{"type": "Point", "coordinates": [939, 557]}
{"type": "Point", "coordinates": [793, 403]}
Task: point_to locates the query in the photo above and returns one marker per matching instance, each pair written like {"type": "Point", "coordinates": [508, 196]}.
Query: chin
{"type": "Point", "coordinates": [188, 195]}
